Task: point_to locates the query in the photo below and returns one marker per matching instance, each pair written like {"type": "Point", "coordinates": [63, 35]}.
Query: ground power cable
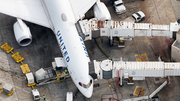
{"type": "Point", "coordinates": [103, 50]}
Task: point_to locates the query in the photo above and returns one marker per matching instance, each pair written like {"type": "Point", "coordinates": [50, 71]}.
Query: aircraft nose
{"type": "Point", "coordinates": [88, 93]}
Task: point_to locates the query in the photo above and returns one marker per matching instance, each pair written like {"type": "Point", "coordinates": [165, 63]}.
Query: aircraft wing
{"type": "Point", "coordinates": [32, 10]}
{"type": "Point", "coordinates": [29, 10]}
{"type": "Point", "coordinates": [80, 7]}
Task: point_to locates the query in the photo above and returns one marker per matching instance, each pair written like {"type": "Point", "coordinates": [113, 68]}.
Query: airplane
{"type": "Point", "coordinates": [60, 16]}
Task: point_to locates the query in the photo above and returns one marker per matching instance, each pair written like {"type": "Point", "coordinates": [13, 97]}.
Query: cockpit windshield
{"type": "Point", "coordinates": [84, 85]}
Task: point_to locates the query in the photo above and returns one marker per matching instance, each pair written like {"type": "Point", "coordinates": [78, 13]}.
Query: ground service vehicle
{"type": "Point", "coordinates": [139, 16]}
{"type": "Point", "coordinates": [119, 7]}
{"type": "Point", "coordinates": [36, 94]}
{"type": "Point", "coordinates": [56, 73]}
{"type": "Point", "coordinates": [7, 89]}
{"type": "Point", "coordinates": [69, 96]}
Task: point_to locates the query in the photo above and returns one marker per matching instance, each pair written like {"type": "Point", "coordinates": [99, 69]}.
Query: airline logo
{"type": "Point", "coordinates": [63, 47]}
{"type": "Point", "coordinates": [84, 47]}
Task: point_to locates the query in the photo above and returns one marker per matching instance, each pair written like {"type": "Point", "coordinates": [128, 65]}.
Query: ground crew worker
{"type": "Point", "coordinates": [65, 70]}
{"type": "Point", "coordinates": [44, 96]}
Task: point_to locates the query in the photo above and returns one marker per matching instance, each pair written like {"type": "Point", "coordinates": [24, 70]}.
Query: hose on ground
{"type": "Point", "coordinates": [102, 50]}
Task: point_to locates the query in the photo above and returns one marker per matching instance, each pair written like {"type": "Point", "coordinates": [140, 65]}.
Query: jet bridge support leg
{"type": "Point", "coordinates": [110, 38]}
{"type": "Point", "coordinates": [120, 81]}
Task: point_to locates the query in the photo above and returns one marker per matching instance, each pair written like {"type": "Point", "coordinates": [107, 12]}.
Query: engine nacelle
{"type": "Point", "coordinates": [101, 12]}
{"type": "Point", "coordinates": [22, 33]}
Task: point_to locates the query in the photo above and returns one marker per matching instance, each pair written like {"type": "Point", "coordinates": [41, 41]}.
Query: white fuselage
{"type": "Point", "coordinates": [72, 46]}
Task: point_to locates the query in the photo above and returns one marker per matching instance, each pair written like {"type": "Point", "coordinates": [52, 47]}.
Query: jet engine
{"type": "Point", "coordinates": [22, 33]}
{"type": "Point", "coordinates": [101, 12]}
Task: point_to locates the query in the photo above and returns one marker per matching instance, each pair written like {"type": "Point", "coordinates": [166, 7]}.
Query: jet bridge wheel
{"type": "Point", "coordinates": [121, 85]}
{"type": "Point", "coordinates": [131, 94]}
{"type": "Point", "coordinates": [110, 42]}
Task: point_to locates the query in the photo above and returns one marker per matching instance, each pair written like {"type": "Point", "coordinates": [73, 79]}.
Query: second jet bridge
{"type": "Point", "coordinates": [107, 69]}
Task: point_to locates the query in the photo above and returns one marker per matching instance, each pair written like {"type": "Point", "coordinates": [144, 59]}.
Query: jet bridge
{"type": "Point", "coordinates": [125, 30]}
{"type": "Point", "coordinates": [107, 69]}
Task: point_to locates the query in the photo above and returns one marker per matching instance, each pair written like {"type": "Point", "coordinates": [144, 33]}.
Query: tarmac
{"type": "Point", "coordinates": [44, 48]}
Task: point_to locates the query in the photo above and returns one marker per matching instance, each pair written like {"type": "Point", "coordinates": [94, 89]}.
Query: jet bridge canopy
{"type": "Point", "coordinates": [134, 69]}
{"type": "Point", "coordinates": [126, 30]}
